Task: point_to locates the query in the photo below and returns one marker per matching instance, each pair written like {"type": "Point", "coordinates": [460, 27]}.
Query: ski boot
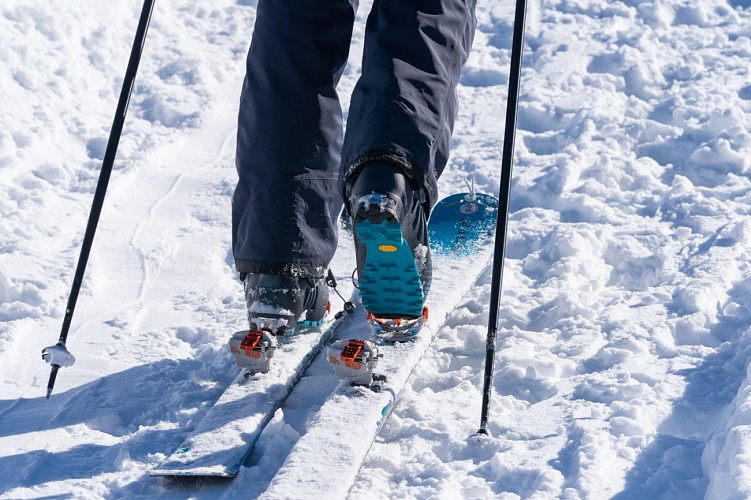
{"type": "Point", "coordinates": [277, 305]}
{"type": "Point", "coordinates": [393, 255]}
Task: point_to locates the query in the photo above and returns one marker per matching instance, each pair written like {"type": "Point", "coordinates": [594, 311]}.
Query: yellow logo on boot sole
{"type": "Point", "coordinates": [387, 248]}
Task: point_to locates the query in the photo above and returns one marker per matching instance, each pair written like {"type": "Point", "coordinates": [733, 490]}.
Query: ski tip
{"type": "Point", "coordinates": [198, 473]}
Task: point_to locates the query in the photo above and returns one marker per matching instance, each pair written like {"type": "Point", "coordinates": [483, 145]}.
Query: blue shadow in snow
{"type": "Point", "coordinates": [671, 467]}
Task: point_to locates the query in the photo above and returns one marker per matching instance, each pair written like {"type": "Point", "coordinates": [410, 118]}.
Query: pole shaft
{"type": "Point", "coordinates": [507, 162]}
{"type": "Point", "coordinates": [104, 174]}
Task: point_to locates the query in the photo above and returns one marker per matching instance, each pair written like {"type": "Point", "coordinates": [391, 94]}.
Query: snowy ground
{"type": "Point", "coordinates": [626, 326]}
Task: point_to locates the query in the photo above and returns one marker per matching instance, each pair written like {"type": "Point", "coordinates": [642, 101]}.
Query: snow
{"type": "Point", "coordinates": [58, 355]}
{"type": "Point", "coordinates": [624, 348]}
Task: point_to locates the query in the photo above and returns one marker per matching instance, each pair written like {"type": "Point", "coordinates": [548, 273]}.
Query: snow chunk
{"type": "Point", "coordinates": [8, 148]}
{"type": "Point", "coordinates": [58, 355]}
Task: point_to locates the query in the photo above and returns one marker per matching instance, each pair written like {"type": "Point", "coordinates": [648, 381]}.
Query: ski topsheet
{"type": "Point", "coordinates": [225, 436]}
{"type": "Point", "coordinates": [340, 434]}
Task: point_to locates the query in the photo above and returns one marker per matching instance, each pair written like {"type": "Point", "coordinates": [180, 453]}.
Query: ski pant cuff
{"type": "Point", "coordinates": [282, 268]}
{"type": "Point", "coordinates": [384, 129]}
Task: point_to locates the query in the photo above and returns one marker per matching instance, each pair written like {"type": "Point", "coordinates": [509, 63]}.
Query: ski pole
{"type": "Point", "coordinates": [58, 355]}
{"type": "Point", "coordinates": [507, 162]}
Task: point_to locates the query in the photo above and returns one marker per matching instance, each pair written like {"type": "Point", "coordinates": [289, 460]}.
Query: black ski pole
{"type": "Point", "coordinates": [58, 354]}
{"type": "Point", "coordinates": [507, 163]}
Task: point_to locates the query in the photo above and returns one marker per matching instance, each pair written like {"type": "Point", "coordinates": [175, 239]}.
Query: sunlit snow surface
{"type": "Point", "coordinates": [625, 328]}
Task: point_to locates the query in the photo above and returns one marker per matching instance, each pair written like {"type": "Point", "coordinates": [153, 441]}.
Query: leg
{"type": "Point", "coordinates": [285, 206]}
{"type": "Point", "coordinates": [398, 132]}
{"type": "Point", "coordinates": [404, 105]}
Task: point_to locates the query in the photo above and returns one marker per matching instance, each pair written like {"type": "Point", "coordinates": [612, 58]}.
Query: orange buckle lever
{"type": "Point", "coordinates": [352, 350]}
{"type": "Point", "coordinates": [397, 321]}
{"type": "Point", "coordinates": [373, 317]}
{"type": "Point", "coordinates": [250, 341]}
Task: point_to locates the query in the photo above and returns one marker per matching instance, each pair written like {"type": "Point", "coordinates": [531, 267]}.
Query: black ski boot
{"type": "Point", "coordinates": [391, 240]}
{"type": "Point", "coordinates": [278, 303]}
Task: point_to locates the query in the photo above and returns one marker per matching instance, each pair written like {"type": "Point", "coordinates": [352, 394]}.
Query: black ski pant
{"type": "Point", "coordinates": [293, 159]}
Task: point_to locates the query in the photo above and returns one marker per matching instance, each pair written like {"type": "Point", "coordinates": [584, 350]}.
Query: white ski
{"type": "Point", "coordinates": [340, 434]}
{"type": "Point", "coordinates": [225, 436]}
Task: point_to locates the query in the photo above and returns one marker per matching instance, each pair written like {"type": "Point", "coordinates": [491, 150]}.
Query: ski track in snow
{"type": "Point", "coordinates": [623, 355]}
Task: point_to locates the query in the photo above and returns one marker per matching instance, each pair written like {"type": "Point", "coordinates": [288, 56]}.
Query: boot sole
{"type": "Point", "coordinates": [390, 285]}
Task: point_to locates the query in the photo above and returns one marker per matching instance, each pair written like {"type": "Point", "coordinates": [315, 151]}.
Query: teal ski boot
{"type": "Point", "coordinates": [393, 255]}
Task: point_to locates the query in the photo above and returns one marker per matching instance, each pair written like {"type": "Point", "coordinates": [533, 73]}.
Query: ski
{"type": "Point", "coordinates": [226, 435]}
{"type": "Point", "coordinates": [373, 371]}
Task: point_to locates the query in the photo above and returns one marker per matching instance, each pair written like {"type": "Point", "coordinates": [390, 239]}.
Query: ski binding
{"type": "Point", "coordinates": [397, 329]}
{"type": "Point", "coordinates": [354, 361]}
{"type": "Point", "coordinates": [253, 350]}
